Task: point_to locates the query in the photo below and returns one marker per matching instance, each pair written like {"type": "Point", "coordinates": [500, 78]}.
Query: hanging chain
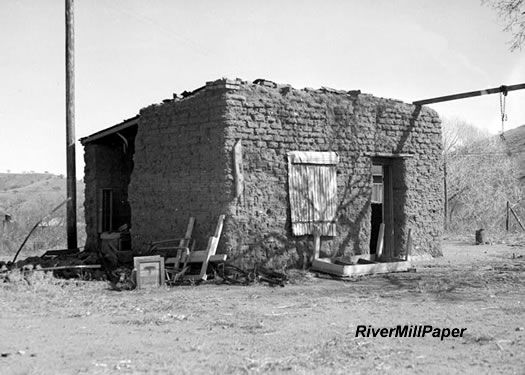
{"type": "Point", "coordinates": [502, 104]}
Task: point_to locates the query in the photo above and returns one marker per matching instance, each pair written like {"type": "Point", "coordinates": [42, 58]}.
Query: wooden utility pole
{"type": "Point", "coordinates": [71, 213]}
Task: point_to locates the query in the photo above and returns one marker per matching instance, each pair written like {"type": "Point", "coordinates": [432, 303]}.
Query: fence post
{"type": "Point", "coordinates": [517, 218]}
{"type": "Point", "coordinates": [507, 219]}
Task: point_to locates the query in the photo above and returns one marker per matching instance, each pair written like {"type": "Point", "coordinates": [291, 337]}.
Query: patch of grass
{"type": "Point", "coordinates": [152, 320]}
{"type": "Point", "coordinates": [300, 276]}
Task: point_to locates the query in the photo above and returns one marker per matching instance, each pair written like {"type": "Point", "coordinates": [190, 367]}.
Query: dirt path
{"type": "Point", "coordinates": [68, 327]}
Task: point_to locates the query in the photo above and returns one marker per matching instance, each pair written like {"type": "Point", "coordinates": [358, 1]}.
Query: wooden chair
{"type": "Point", "coordinates": [170, 248]}
{"type": "Point", "coordinates": [174, 243]}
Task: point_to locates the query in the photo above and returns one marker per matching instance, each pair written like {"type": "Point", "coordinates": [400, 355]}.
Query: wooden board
{"type": "Point", "coordinates": [60, 252]}
{"type": "Point", "coordinates": [325, 265]}
{"type": "Point", "coordinates": [312, 181]}
{"type": "Point", "coordinates": [207, 254]}
{"type": "Point", "coordinates": [409, 244]}
{"type": "Point", "coordinates": [317, 244]}
{"type": "Point", "coordinates": [238, 171]}
{"type": "Point", "coordinates": [313, 157]}
{"type": "Point", "coordinates": [78, 266]}
{"type": "Point", "coordinates": [355, 258]}
{"type": "Point", "coordinates": [199, 257]}
{"type": "Point", "coordinates": [380, 241]}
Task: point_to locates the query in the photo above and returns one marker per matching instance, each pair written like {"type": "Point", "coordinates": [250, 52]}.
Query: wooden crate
{"type": "Point", "coordinates": [149, 271]}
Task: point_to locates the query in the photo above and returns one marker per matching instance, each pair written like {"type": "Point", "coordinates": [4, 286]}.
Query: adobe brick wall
{"type": "Point", "coordinates": [179, 169]}
{"type": "Point", "coordinates": [271, 121]}
{"type": "Point", "coordinates": [183, 167]}
{"type": "Point", "coordinates": [90, 197]}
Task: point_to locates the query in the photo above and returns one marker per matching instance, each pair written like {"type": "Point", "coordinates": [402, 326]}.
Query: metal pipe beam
{"type": "Point", "coordinates": [470, 94]}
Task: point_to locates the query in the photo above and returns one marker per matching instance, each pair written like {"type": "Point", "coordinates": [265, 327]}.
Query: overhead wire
{"type": "Point", "coordinates": [166, 31]}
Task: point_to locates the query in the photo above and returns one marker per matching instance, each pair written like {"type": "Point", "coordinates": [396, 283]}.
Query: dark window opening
{"type": "Point", "coordinates": [106, 211]}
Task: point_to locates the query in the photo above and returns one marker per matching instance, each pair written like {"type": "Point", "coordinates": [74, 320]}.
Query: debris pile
{"type": "Point", "coordinates": [226, 273]}
{"type": "Point", "coordinates": [172, 262]}
{"type": "Point", "coordinates": [63, 264]}
{"type": "Point", "coordinates": [102, 266]}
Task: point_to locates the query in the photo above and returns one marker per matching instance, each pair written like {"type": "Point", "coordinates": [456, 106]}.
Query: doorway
{"type": "Point", "coordinates": [382, 207]}
{"type": "Point", "coordinates": [376, 205]}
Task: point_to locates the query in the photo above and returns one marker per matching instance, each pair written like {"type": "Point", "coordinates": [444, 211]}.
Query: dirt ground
{"type": "Point", "coordinates": [76, 327]}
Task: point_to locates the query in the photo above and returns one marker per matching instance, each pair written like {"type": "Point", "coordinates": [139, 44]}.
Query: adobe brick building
{"type": "Point", "coordinates": [281, 163]}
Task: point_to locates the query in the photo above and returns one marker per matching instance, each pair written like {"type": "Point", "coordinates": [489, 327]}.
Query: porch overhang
{"type": "Point", "coordinates": [111, 130]}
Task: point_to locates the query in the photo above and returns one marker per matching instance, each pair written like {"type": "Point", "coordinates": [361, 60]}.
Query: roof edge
{"type": "Point", "coordinates": [111, 130]}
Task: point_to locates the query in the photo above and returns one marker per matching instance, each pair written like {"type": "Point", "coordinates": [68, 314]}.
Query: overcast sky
{"type": "Point", "coordinates": [132, 53]}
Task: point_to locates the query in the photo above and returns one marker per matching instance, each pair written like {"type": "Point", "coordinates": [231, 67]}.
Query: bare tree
{"type": "Point", "coordinates": [480, 178]}
{"type": "Point", "coordinates": [512, 13]}
{"type": "Point", "coordinates": [456, 134]}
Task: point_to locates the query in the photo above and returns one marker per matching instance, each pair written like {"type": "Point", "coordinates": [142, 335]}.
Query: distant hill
{"type": "Point", "coordinates": [22, 190]}
{"type": "Point", "coordinates": [29, 197]}
{"type": "Point", "coordinates": [9, 181]}
{"type": "Point", "coordinates": [515, 141]}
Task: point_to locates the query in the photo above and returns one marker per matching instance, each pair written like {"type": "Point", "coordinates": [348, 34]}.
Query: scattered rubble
{"type": "Point", "coordinates": [85, 265]}
{"type": "Point", "coordinates": [97, 266]}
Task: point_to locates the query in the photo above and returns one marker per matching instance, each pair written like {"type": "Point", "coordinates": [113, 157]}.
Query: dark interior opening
{"type": "Point", "coordinates": [377, 219]}
{"type": "Point", "coordinates": [377, 205]}
{"type": "Point", "coordinates": [115, 165]}
{"type": "Point", "coordinates": [389, 191]}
